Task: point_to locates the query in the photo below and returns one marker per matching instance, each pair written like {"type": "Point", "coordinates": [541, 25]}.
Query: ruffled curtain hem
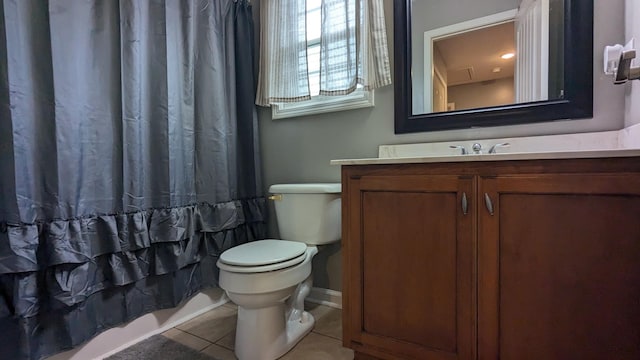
{"type": "Point", "coordinates": [69, 280]}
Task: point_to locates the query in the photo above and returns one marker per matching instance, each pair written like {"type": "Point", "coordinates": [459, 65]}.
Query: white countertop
{"type": "Point", "coordinates": [574, 154]}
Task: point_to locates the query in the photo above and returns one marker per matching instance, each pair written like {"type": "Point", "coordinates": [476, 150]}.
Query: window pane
{"type": "Point", "coordinates": [313, 58]}
{"type": "Point", "coordinates": [313, 4]}
{"type": "Point", "coordinates": [314, 83]}
{"type": "Point", "coordinates": [314, 18]}
{"type": "Point", "coordinates": [314, 25]}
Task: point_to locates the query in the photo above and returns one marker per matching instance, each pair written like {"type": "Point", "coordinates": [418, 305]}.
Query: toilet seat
{"type": "Point", "coordinates": [262, 256]}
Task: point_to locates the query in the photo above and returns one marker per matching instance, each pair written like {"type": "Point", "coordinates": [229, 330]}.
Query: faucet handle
{"type": "Point", "coordinates": [494, 147]}
{"type": "Point", "coordinates": [464, 151]}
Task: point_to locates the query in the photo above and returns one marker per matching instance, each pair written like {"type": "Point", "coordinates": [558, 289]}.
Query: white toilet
{"type": "Point", "coordinates": [269, 279]}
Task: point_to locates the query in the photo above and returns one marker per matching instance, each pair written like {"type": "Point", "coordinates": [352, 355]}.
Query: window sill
{"type": "Point", "coordinates": [323, 104]}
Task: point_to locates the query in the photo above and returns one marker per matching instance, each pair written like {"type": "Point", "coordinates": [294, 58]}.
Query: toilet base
{"type": "Point", "coordinates": [271, 322]}
{"type": "Point", "coordinates": [265, 334]}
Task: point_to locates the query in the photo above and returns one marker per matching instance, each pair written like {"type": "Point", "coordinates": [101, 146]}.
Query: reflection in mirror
{"type": "Point", "coordinates": [466, 56]}
{"type": "Point", "coordinates": [475, 69]}
{"type": "Point", "coordinates": [568, 58]}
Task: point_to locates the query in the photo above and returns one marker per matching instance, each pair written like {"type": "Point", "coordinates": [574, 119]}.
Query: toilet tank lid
{"type": "Point", "coordinates": [312, 188]}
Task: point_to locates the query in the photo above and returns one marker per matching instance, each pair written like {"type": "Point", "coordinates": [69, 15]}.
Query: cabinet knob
{"type": "Point", "coordinates": [488, 203]}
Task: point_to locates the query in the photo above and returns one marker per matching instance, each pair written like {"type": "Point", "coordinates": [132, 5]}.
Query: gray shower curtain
{"type": "Point", "coordinates": [128, 161]}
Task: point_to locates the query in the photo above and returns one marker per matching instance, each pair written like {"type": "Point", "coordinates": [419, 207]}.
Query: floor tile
{"type": "Point", "coordinates": [219, 353]}
{"type": "Point", "coordinates": [158, 347]}
{"type": "Point", "coordinates": [319, 347]}
{"type": "Point", "coordinates": [212, 325]}
{"type": "Point", "coordinates": [186, 339]}
{"type": "Point", "coordinates": [228, 341]}
{"type": "Point", "coordinates": [218, 327]}
{"type": "Point", "coordinates": [328, 320]}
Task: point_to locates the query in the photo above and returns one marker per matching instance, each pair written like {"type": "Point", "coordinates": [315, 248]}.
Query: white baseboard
{"type": "Point", "coordinates": [326, 297]}
{"type": "Point", "coordinates": [115, 339]}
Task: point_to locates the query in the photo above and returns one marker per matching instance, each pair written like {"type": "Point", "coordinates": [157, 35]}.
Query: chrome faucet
{"type": "Point", "coordinates": [477, 148]}
{"type": "Point", "coordinates": [494, 147]}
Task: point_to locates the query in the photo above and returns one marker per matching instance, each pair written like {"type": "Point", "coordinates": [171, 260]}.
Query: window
{"type": "Point", "coordinates": [320, 103]}
{"type": "Point", "coordinates": [321, 55]}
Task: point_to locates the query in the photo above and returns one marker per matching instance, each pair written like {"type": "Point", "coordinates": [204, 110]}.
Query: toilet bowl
{"type": "Point", "coordinates": [269, 279]}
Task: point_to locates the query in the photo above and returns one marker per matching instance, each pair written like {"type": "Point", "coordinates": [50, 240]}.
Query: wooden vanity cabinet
{"type": "Point", "coordinates": [536, 259]}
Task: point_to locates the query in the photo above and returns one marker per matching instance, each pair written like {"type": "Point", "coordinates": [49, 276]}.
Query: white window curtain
{"type": "Point", "coordinates": [353, 49]}
{"type": "Point", "coordinates": [283, 53]}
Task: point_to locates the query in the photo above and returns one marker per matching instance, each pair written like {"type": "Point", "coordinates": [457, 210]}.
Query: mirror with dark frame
{"type": "Point", "coordinates": [506, 62]}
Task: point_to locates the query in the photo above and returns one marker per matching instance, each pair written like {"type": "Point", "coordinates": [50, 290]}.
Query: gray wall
{"type": "Point", "coordinates": [299, 149]}
{"type": "Point", "coordinates": [632, 103]}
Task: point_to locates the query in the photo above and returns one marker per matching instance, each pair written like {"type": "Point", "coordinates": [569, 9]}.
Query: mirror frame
{"type": "Point", "coordinates": [578, 79]}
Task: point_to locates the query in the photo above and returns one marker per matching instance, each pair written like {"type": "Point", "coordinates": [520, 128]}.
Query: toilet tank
{"type": "Point", "coordinates": [309, 213]}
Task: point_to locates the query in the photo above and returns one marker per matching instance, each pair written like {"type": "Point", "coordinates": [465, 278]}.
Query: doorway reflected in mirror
{"type": "Point", "coordinates": [475, 68]}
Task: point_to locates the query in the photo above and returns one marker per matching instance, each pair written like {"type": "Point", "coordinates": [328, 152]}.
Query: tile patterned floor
{"type": "Point", "coordinates": [213, 333]}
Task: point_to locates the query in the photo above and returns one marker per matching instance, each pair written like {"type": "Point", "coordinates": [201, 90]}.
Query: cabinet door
{"type": "Point", "coordinates": [409, 267]}
{"type": "Point", "coordinates": [559, 267]}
